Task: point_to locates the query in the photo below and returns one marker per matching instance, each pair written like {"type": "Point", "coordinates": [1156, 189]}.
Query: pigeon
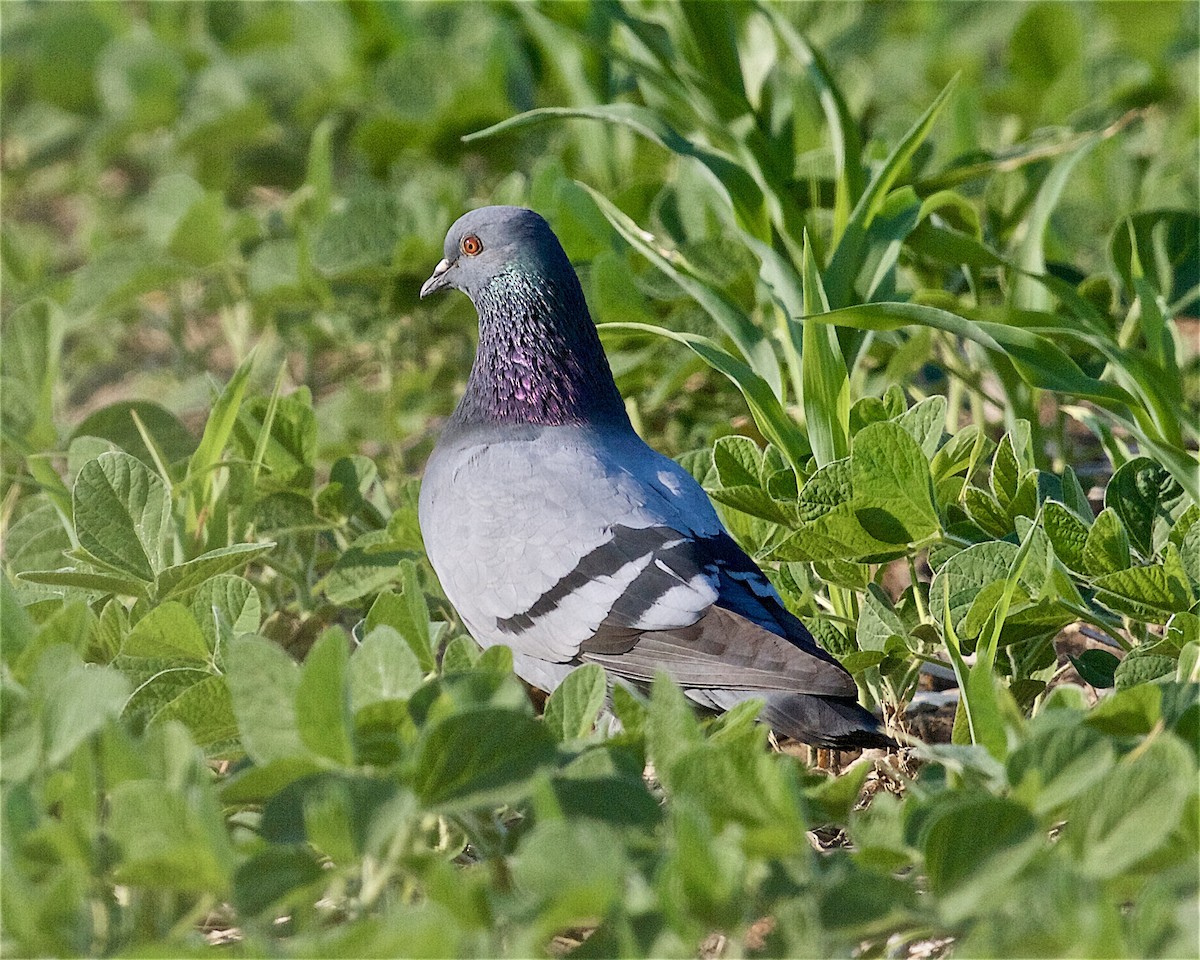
{"type": "Point", "coordinates": [555, 530]}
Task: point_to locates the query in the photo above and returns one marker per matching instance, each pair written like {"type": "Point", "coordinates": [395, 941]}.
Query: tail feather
{"type": "Point", "coordinates": [834, 723]}
{"type": "Point", "coordinates": [831, 722]}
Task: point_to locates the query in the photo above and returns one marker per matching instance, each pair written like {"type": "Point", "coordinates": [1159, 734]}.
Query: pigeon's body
{"type": "Point", "coordinates": [557, 531]}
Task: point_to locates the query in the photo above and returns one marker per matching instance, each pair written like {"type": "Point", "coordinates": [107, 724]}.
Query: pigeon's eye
{"type": "Point", "coordinates": [471, 246]}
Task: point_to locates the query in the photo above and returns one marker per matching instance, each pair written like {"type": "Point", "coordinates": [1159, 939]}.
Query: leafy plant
{"type": "Point", "coordinates": [234, 705]}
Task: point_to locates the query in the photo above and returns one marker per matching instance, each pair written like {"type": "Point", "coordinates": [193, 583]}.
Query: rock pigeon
{"type": "Point", "coordinates": [557, 531]}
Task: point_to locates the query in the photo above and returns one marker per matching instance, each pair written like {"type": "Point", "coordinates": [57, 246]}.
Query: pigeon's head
{"type": "Point", "coordinates": [492, 241]}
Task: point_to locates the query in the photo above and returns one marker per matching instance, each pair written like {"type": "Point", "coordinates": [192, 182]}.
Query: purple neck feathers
{"type": "Point", "coordinates": [539, 359]}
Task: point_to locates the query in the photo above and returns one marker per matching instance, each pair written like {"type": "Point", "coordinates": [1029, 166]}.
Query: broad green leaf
{"type": "Point", "coordinates": [115, 424]}
{"type": "Point", "coordinates": [1126, 817]}
{"type": "Point", "coordinates": [122, 514]}
{"type": "Point", "coordinates": [169, 840]}
{"type": "Point", "coordinates": [1148, 500]}
{"type": "Point", "coordinates": [1106, 549]}
{"type": "Point", "coordinates": [322, 706]}
{"type": "Point", "coordinates": [371, 563]}
{"type": "Point", "coordinates": [76, 700]}
{"type": "Point", "coordinates": [974, 849]}
{"type": "Point", "coordinates": [181, 579]}
{"type": "Point", "coordinates": [877, 621]}
{"type": "Point", "coordinates": [671, 727]}
{"type": "Point", "coordinates": [169, 631]}
{"type": "Point", "coordinates": [893, 493]}
{"type": "Point", "coordinates": [226, 606]}
{"type": "Point", "coordinates": [924, 422]}
{"type": "Point", "coordinates": [206, 709]}
{"type": "Point", "coordinates": [1128, 712]}
{"type": "Point", "coordinates": [273, 874]}
{"type": "Point", "coordinates": [1151, 591]}
{"type": "Point", "coordinates": [1055, 765]}
{"type": "Point", "coordinates": [1068, 534]}
{"type": "Point", "coordinates": [574, 869]}
{"type": "Point", "coordinates": [264, 681]}
{"type": "Point", "coordinates": [1144, 668]}
{"type": "Point", "coordinates": [362, 236]}
{"type": "Point", "coordinates": [384, 667]}
{"type": "Point", "coordinates": [479, 756]}
{"type": "Point", "coordinates": [1096, 667]}
{"type": "Point", "coordinates": [574, 705]}
{"type": "Point", "coordinates": [408, 614]}
{"type": "Point", "coordinates": [738, 461]}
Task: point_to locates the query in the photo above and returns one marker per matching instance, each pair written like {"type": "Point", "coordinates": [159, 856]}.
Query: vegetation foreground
{"type": "Point", "coordinates": [923, 326]}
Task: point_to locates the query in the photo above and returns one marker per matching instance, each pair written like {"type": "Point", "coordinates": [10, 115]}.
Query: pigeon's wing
{"type": "Point", "coordinates": [541, 536]}
{"type": "Point", "coordinates": [745, 640]}
{"type": "Point", "coordinates": [566, 546]}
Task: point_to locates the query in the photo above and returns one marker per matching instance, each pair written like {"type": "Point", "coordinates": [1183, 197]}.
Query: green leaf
{"type": "Point", "coordinates": [273, 874]}
{"type": "Point", "coordinates": [226, 606]}
{"type": "Point", "coordinates": [480, 756]}
{"type": "Point", "coordinates": [1148, 500]}
{"type": "Point", "coordinates": [322, 706]}
{"type": "Point", "coordinates": [893, 493]}
{"type": "Point", "coordinates": [1038, 360]}
{"type": "Point", "coordinates": [1107, 547]}
{"type": "Point", "coordinates": [574, 868]}
{"type": "Point", "coordinates": [924, 422]}
{"type": "Point", "coordinates": [122, 514]}
{"type": "Point", "coordinates": [92, 582]}
{"type": "Point", "coordinates": [360, 237]}
{"type": "Point", "coordinates": [846, 262]}
{"type": "Point", "coordinates": [169, 631]}
{"type": "Point", "coordinates": [733, 322]}
{"type": "Point", "coordinates": [1068, 534]}
{"type": "Point", "coordinates": [169, 840]}
{"type": "Point", "coordinates": [744, 194]}
{"type": "Point", "coordinates": [185, 577]}
{"type": "Point", "coordinates": [217, 430]}
{"type": "Point", "coordinates": [975, 848]}
{"type": "Point", "coordinates": [1148, 592]}
{"type": "Point", "coordinates": [774, 422]}
{"type": "Point", "coordinates": [671, 727]}
{"type": "Point", "coordinates": [825, 392]}
{"type": "Point", "coordinates": [1141, 667]}
{"type": "Point", "coordinates": [76, 701]}
{"type": "Point", "coordinates": [738, 461]}
{"type": "Point", "coordinates": [408, 614]}
{"type": "Point", "coordinates": [384, 667]}
{"type": "Point", "coordinates": [1096, 667]}
{"type": "Point", "coordinates": [115, 423]}
{"type": "Point", "coordinates": [372, 562]}
{"type": "Point", "coordinates": [878, 622]}
{"type": "Point", "coordinates": [206, 709]}
{"type": "Point", "coordinates": [264, 682]}
{"type": "Point", "coordinates": [1055, 765]}
{"type": "Point", "coordinates": [575, 704]}
{"type": "Point", "coordinates": [1128, 712]}
{"type": "Point", "coordinates": [1124, 818]}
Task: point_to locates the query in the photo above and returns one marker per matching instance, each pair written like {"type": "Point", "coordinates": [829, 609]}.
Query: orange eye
{"type": "Point", "coordinates": [471, 246]}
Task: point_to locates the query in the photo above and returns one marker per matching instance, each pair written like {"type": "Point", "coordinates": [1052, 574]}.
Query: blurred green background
{"type": "Point", "coordinates": [188, 180]}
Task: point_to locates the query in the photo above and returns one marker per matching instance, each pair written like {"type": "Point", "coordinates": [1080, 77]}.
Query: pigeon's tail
{"type": "Point", "coordinates": [830, 722]}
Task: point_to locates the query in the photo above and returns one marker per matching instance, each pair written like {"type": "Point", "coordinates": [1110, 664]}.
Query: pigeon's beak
{"type": "Point", "coordinates": [438, 281]}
